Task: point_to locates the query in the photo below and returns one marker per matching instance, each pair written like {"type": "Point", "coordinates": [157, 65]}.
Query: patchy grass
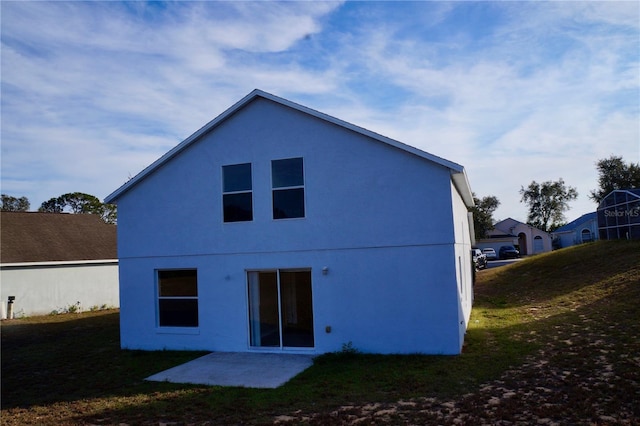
{"type": "Point", "coordinates": [553, 338]}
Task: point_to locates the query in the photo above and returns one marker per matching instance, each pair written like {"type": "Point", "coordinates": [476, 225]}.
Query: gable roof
{"type": "Point", "coordinates": [505, 226]}
{"type": "Point", "coordinates": [508, 225]}
{"type": "Point", "coordinates": [458, 174]}
{"type": "Point", "coordinates": [55, 237]}
{"type": "Point", "coordinates": [571, 226]}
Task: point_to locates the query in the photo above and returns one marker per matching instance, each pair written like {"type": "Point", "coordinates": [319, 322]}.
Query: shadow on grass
{"type": "Point", "coordinates": [72, 357]}
{"type": "Point", "coordinates": [75, 369]}
{"type": "Point", "coordinates": [61, 365]}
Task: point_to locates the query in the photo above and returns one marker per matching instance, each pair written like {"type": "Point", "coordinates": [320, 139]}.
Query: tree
{"type": "Point", "coordinates": [81, 203]}
{"type": "Point", "coordinates": [547, 203]}
{"type": "Point", "coordinates": [13, 204]}
{"type": "Point", "coordinates": [483, 214]}
{"type": "Point", "coordinates": [613, 174]}
{"type": "Point", "coordinates": [110, 213]}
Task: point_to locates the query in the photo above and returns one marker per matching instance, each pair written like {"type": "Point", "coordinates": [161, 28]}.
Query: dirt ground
{"type": "Point", "coordinates": [559, 385]}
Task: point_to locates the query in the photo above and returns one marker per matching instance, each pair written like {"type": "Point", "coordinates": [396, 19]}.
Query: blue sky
{"type": "Point", "coordinates": [93, 92]}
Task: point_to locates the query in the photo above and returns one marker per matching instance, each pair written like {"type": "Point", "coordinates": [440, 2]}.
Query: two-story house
{"type": "Point", "coordinates": [279, 228]}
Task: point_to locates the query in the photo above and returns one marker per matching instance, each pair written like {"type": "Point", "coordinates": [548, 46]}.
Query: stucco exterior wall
{"type": "Point", "coordinates": [358, 192]}
{"type": "Point", "coordinates": [525, 237]}
{"type": "Point", "coordinates": [531, 233]}
{"type": "Point", "coordinates": [378, 217]}
{"type": "Point", "coordinates": [463, 259]}
{"type": "Point", "coordinates": [383, 300]}
{"type": "Point", "coordinates": [40, 289]}
{"type": "Point", "coordinates": [574, 237]}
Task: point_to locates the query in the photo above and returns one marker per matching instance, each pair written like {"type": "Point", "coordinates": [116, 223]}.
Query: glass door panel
{"type": "Point", "coordinates": [280, 309]}
{"type": "Point", "coordinates": [296, 309]}
{"type": "Point", "coordinates": [263, 309]}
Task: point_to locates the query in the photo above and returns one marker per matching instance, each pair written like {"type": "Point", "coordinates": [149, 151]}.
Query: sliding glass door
{"type": "Point", "coordinates": [280, 308]}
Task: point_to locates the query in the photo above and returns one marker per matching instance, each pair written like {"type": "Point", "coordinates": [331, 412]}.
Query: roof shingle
{"type": "Point", "coordinates": [49, 237]}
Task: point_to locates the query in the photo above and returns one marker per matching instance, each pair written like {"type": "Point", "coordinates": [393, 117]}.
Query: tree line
{"type": "Point", "coordinates": [548, 201]}
{"type": "Point", "coordinates": [73, 202]}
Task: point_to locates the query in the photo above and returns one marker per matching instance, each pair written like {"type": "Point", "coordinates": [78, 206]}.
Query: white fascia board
{"type": "Point", "coordinates": [461, 182]}
{"type": "Point", "coordinates": [60, 263]}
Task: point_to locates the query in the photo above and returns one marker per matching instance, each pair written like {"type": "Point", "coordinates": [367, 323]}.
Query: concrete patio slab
{"type": "Point", "coordinates": [251, 370]}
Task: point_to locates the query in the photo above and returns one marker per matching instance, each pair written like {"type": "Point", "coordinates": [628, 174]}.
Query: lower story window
{"type": "Point", "coordinates": [178, 298]}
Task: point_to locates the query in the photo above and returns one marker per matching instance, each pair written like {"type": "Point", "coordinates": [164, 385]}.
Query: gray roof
{"type": "Point", "coordinates": [458, 174]}
{"type": "Point", "coordinates": [55, 237]}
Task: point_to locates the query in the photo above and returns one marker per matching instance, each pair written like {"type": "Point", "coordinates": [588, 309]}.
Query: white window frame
{"type": "Point", "coordinates": [178, 328]}
{"type": "Point", "coordinates": [249, 191]}
{"type": "Point", "coordinates": [284, 188]}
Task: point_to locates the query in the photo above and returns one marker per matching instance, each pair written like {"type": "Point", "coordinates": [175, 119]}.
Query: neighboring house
{"type": "Point", "coordinates": [619, 215]}
{"type": "Point", "coordinates": [582, 230]}
{"type": "Point", "coordinates": [527, 239]}
{"type": "Point", "coordinates": [53, 261]}
{"type": "Point", "coordinates": [496, 241]}
{"type": "Point", "coordinates": [278, 228]}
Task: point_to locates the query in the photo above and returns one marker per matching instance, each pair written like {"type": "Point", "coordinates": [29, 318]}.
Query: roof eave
{"type": "Point", "coordinates": [461, 182]}
{"type": "Point", "coordinates": [53, 263]}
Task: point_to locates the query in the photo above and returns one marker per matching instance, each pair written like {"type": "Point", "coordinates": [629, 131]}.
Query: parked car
{"type": "Point", "coordinates": [490, 253]}
{"type": "Point", "coordinates": [479, 259]}
{"type": "Point", "coordinates": [508, 252]}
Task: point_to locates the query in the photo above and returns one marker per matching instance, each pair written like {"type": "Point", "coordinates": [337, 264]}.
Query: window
{"type": "Point", "coordinates": [236, 189]}
{"type": "Point", "coordinates": [178, 298]}
{"type": "Point", "coordinates": [287, 179]}
{"type": "Point", "coordinates": [586, 236]}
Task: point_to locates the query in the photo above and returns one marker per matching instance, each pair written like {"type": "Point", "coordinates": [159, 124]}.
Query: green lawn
{"type": "Point", "coordinates": [552, 338]}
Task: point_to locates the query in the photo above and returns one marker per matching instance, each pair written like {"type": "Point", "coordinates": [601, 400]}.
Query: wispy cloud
{"type": "Point", "coordinates": [92, 92]}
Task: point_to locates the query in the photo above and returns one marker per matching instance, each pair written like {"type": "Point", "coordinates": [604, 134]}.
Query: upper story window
{"type": "Point", "coordinates": [287, 181]}
{"type": "Point", "coordinates": [237, 198]}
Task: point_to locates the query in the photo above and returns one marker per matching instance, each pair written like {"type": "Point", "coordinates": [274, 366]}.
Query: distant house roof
{"type": "Point", "coordinates": [55, 237]}
{"type": "Point", "coordinates": [504, 228]}
{"type": "Point", "coordinates": [458, 174]}
{"type": "Point", "coordinates": [507, 226]}
{"type": "Point", "coordinates": [571, 226]}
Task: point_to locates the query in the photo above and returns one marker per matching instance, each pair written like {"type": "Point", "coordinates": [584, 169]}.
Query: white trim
{"type": "Point", "coordinates": [458, 172]}
{"type": "Point", "coordinates": [59, 263]}
{"type": "Point", "coordinates": [461, 182]}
